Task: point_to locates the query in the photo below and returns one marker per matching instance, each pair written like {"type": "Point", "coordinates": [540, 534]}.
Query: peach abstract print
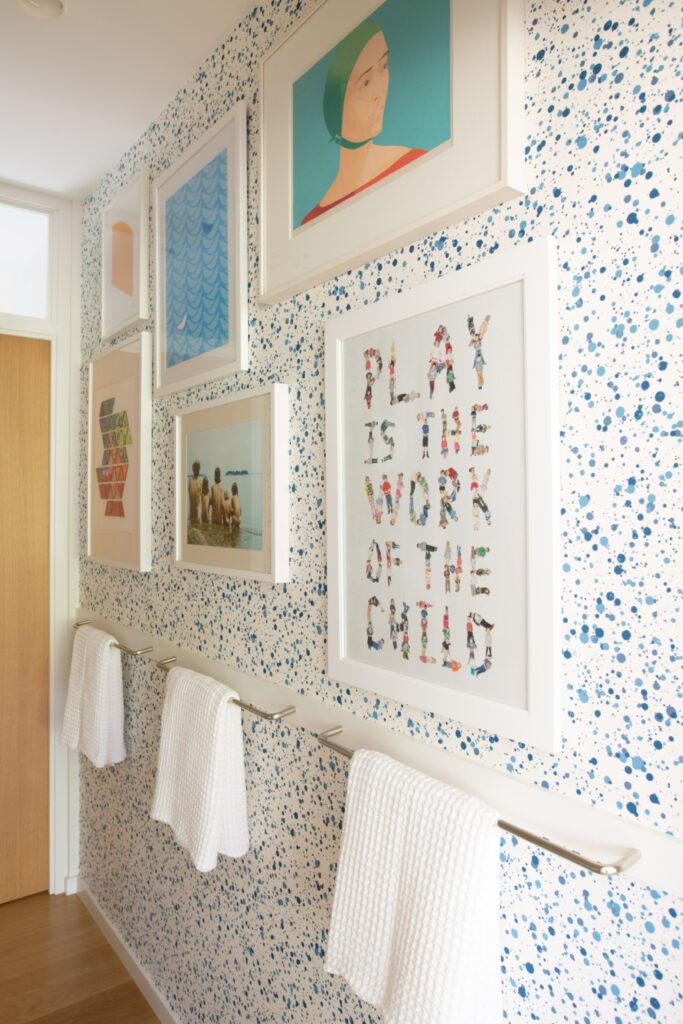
{"type": "Point", "coordinates": [122, 257]}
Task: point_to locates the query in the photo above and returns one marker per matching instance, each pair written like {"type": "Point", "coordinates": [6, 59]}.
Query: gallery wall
{"type": "Point", "coordinates": [246, 942]}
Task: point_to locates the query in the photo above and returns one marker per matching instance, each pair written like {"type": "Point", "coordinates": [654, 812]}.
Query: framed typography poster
{"type": "Point", "coordinates": [200, 206]}
{"type": "Point", "coordinates": [120, 456]}
{"type": "Point", "coordinates": [382, 122]}
{"type": "Point", "coordinates": [443, 497]}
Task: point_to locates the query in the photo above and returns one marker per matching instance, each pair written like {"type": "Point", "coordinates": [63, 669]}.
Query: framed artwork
{"type": "Point", "coordinates": [443, 497]}
{"type": "Point", "coordinates": [232, 480]}
{"type": "Point", "coordinates": [200, 206]}
{"type": "Point", "coordinates": [381, 123]}
{"type": "Point", "coordinates": [120, 456]}
{"type": "Point", "coordinates": [125, 259]}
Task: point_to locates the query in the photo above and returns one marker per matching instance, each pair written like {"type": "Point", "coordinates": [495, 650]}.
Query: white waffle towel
{"type": "Point", "coordinates": [415, 923]}
{"type": "Point", "coordinates": [200, 789]}
{"type": "Point", "coordinates": [93, 715]}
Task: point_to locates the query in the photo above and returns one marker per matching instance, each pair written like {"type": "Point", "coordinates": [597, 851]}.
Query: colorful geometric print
{"type": "Point", "coordinates": [119, 419]}
{"type": "Point", "coordinates": [111, 490]}
{"type": "Point", "coordinates": [117, 438]}
{"type": "Point", "coordinates": [114, 456]}
{"type": "Point", "coordinates": [107, 474]}
{"type": "Point", "coordinates": [111, 475]}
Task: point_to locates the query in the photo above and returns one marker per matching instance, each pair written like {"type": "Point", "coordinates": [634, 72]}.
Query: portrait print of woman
{"type": "Point", "coordinates": [369, 122]}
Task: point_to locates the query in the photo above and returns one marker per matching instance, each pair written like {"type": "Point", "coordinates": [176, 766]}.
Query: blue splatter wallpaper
{"type": "Point", "coordinates": [603, 142]}
{"type": "Point", "coordinates": [197, 264]}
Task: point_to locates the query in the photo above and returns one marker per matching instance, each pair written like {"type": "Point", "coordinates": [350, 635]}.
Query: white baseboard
{"type": "Point", "coordinates": [128, 959]}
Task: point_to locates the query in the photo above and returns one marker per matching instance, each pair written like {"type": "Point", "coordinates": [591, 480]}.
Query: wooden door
{"type": "Point", "coordinates": [24, 615]}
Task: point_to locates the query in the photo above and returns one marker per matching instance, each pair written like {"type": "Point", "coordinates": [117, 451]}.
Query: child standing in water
{"type": "Point", "coordinates": [194, 491]}
{"type": "Point", "coordinates": [236, 507]}
{"type": "Point", "coordinates": [205, 499]}
{"type": "Point", "coordinates": [217, 498]}
{"type": "Point", "coordinates": [227, 510]}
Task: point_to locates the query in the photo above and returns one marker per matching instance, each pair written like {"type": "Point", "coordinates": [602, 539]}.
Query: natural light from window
{"type": "Point", "coordinates": [24, 236]}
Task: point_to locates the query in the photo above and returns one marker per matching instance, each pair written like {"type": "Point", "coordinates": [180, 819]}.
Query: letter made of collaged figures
{"type": "Point", "coordinates": [457, 432]}
{"type": "Point", "coordinates": [447, 661]}
{"type": "Point", "coordinates": [370, 378]}
{"type": "Point", "coordinates": [405, 634]}
{"type": "Point", "coordinates": [428, 550]}
{"type": "Point", "coordinates": [384, 496]}
{"type": "Point", "coordinates": [449, 486]}
{"type": "Point", "coordinates": [478, 447]}
{"type": "Point", "coordinates": [419, 520]}
{"type": "Point", "coordinates": [394, 628]}
{"type": "Point", "coordinates": [424, 607]}
{"type": "Point", "coordinates": [448, 567]}
{"type": "Point", "coordinates": [387, 438]}
{"type": "Point", "coordinates": [471, 643]}
{"type": "Point", "coordinates": [395, 399]}
{"type": "Point", "coordinates": [371, 460]}
{"type": "Point", "coordinates": [477, 571]}
{"type": "Point", "coordinates": [481, 622]}
{"type": "Point", "coordinates": [444, 434]}
{"type": "Point", "coordinates": [373, 645]}
{"type": "Point", "coordinates": [392, 559]}
{"type": "Point", "coordinates": [478, 490]}
{"type": "Point", "coordinates": [374, 549]}
{"type": "Point", "coordinates": [440, 360]}
{"type": "Point", "coordinates": [475, 343]}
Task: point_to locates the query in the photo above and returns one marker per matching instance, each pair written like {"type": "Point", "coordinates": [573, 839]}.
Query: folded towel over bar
{"type": "Point", "coordinates": [415, 924]}
{"type": "Point", "coordinates": [93, 714]}
{"type": "Point", "coordinates": [200, 787]}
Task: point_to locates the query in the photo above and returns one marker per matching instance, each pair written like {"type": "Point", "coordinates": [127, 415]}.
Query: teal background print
{"type": "Point", "coordinates": [418, 110]}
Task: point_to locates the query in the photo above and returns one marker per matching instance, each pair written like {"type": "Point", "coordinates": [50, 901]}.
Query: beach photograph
{"type": "Point", "coordinates": [224, 486]}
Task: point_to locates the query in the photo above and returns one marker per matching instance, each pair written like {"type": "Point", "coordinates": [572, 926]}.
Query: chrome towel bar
{"type": "Point", "coordinates": [615, 868]}
{"type": "Point", "coordinates": [270, 716]}
{"type": "Point", "coordinates": [165, 664]}
{"type": "Point", "coordinates": [119, 647]}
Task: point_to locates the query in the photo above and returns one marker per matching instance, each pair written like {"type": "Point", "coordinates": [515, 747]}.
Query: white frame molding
{"type": "Point", "coordinates": [231, 131]}
{"type": "Point", "coordinates": [539, 722]}
{"type": "Point", "coordinates": [481, 166]}
{"type": "Point", "coordinates": [61, 328]}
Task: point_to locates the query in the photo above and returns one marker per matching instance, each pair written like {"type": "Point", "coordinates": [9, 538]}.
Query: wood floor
{"type": "Point", "coordinates": [56, 967]}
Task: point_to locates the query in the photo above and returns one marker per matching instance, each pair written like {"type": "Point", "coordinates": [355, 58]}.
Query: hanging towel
{"type": "Point", "coordinates": [93, 715]}
{"type": "Point", "coordinates": [415, 922]}
{"type": "Point", "coordinates": [200, 789]}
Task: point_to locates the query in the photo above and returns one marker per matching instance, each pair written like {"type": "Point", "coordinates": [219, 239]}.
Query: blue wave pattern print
{"type": "Point", "coordinates": [197, 264]}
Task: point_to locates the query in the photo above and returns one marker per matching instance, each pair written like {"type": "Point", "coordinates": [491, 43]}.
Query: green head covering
{"type": "Point", "coordinates": [345, 56]}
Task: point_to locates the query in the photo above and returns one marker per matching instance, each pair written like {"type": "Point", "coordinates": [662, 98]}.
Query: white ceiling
{"type": "Point", "coordinates": [78, 90]}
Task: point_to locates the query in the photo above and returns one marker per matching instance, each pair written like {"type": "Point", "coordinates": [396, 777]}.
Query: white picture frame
{"type": "Point", "coordinates": [125, 259]}
{"type": "Point", "coordinates": [120, 455]}
{"type": "Point", "coordinates": [200, 217]}
{"type": "Point", "coordinates": [242, 442]}
{"type": "Point", "coordinates": [501, 569]}
{"type": "Point", "coordinates": [479, 165]}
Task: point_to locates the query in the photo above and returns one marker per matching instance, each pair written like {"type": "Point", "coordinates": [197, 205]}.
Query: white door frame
{"type": "Point", "coordinates": [62, 328]}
